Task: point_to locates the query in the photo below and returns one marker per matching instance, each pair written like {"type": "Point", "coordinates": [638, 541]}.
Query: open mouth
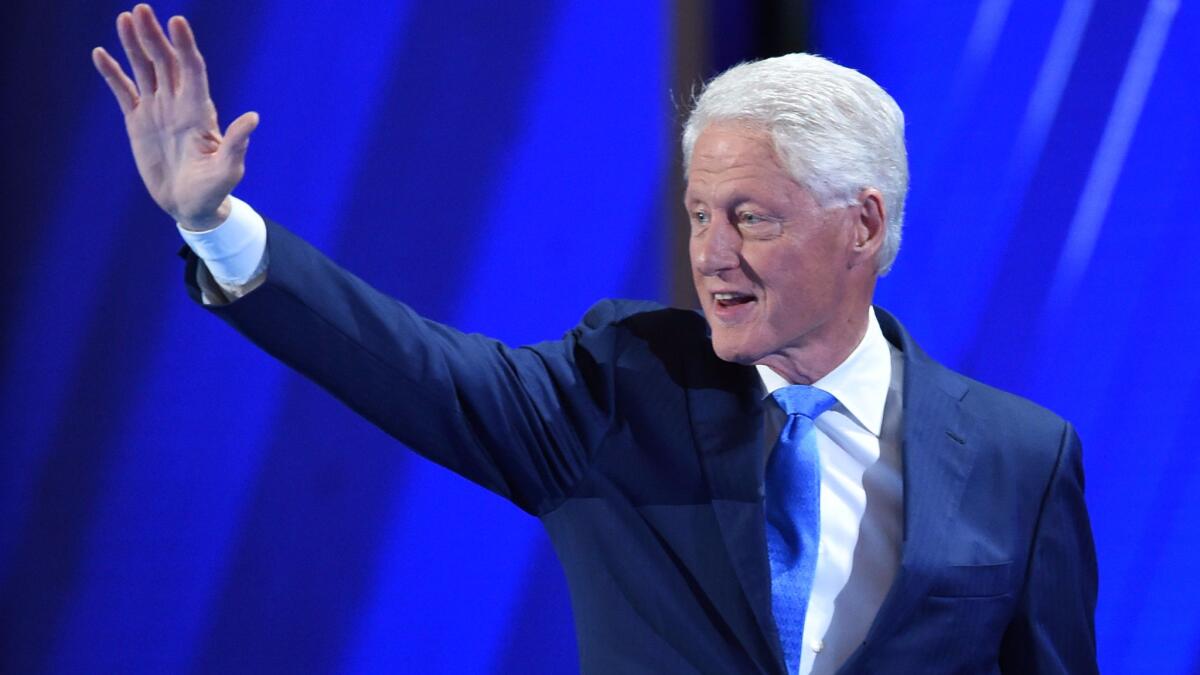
{"type": "Point", "coordinates": [732, 299]}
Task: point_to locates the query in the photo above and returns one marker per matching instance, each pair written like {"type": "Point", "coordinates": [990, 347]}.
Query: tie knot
{"type": "Point", "coordinates": [802, 399]}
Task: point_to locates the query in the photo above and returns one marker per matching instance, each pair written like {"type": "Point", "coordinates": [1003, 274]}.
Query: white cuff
{"type": "Point", "coordinates": [232, 250]}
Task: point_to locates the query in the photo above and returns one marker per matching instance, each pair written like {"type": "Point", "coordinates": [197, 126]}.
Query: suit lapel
{"type": "Point", "coordinates": [937, 459]}
{"type": "Point", "coordinates": [727, 425]}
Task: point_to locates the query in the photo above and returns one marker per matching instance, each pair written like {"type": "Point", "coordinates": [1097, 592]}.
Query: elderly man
{"type": "Point", "coordinates": [785, 483]}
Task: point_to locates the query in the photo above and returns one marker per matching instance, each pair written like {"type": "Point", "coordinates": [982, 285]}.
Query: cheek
{"type": "Point", "coordinates": [697, 278]}
{"type": "Point", "coordinates": [796, 287]}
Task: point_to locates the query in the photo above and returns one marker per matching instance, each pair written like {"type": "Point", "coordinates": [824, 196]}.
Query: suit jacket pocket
{"type": "Point", "coordinates": [972, 581]}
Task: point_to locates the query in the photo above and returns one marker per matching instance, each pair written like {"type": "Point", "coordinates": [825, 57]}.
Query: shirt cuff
{"type": "Point", "coordinates": [233, 250]}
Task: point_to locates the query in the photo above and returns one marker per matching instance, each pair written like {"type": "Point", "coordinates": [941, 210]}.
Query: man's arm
{"type": "Point", "coordinates": [521, 422]}
{"type": "Point", "coordinates": [1053, 630]}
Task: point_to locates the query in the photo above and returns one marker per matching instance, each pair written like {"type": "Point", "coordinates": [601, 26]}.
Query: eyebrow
{"type": "Point", "coordinates": [734, 200]}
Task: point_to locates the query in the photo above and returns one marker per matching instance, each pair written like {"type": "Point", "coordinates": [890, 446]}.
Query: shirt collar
{"type": "Point", "coordinates": [860, 383]}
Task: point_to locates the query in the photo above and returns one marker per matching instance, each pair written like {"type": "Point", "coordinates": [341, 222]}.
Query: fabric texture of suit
{"type": "Point", "coordinates": [642, 454]}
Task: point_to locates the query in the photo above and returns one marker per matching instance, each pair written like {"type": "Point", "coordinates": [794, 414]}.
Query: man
{"type": "Point", "coordinates": [784, 484]}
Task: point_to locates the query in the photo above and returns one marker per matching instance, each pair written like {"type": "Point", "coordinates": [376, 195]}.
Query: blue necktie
{"type": "Point", "coordinates": [793, 508]}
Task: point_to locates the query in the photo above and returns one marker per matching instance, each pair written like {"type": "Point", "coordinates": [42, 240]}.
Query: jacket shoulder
{"type": "Point", "coordinates": [1005, 414]}
{"type": "Point", "coordinates": [618, 311]}
{"type": "Point", "coordinates": [624, 324]}
{"type": "Point", "coordinates": [996, 403]}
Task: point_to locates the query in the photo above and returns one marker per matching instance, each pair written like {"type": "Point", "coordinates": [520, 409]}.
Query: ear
{"type": "Point", "coordinates": [869, 226]}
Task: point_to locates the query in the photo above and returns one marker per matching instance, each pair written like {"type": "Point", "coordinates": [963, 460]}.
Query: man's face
{"type": "Point", "coordinates": [771, 267]}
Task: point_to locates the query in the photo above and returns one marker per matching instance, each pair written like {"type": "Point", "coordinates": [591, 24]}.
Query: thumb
{"type": "Point", "coordinates": [237, 137]}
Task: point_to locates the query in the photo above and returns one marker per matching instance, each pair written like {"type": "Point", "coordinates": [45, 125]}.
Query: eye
{"type": "Point", "coordinates": [757, 225]}
{"type": "Point", "coordinates": [699, 220]}
{"type": "Point", "coordinates": [753, 221]}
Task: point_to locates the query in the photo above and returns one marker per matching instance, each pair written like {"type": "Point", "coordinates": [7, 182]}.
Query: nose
{"type": "Point", "coordinates": [717, 249]}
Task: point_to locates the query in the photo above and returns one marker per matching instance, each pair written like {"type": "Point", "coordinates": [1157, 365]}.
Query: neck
{"type": "Point", "coordinates": [815, 358]}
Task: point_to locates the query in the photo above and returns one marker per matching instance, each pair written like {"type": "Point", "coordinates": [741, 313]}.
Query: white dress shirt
{"type": "Point", "coordinates": [858, 440]}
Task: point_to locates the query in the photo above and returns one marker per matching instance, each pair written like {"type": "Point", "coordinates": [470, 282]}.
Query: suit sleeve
{"type": "Point", "coordinates": [520, 422]}
{"type": "Point", "coordinates": [1053, 630]}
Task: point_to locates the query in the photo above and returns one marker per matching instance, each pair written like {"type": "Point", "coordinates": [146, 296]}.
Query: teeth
{"type": "Point", "coordinates": [726, 296]}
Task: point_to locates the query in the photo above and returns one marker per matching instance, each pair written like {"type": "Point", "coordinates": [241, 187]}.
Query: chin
{"type": "Point", "coordinates": [733, 351]}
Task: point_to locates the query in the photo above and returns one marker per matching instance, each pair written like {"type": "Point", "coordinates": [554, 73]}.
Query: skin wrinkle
{"type": "Point", "coordinates": [756, 231]}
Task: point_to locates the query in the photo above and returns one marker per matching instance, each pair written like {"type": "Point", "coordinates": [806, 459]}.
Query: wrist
{"type": "Point", "coordinates": [234, 251]}
{"type": "Point", "coordinates": [206, 223]}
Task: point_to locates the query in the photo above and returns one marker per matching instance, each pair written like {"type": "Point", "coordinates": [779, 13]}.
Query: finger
{"type": "Point", "coordinates": [162, 54]}
{"type": "Point", "coordinates": [237, 138]}
{"type": "Point", "coordinates": [120, 84]}
{"type": "Point", "coordinates": [139, 63]}
{"type": "Point", "coordinates": [193, 76]}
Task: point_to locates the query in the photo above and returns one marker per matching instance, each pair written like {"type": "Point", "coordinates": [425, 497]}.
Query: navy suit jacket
{"type": "Point", "coordinates": [642, 454]}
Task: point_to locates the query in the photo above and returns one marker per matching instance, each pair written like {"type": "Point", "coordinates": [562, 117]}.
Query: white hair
{"type": "Point", "coordinates": [835, 130]}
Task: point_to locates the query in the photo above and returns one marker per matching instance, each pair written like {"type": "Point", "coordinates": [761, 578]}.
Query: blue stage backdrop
{"type": "Point", "coordinates": [171, 500]}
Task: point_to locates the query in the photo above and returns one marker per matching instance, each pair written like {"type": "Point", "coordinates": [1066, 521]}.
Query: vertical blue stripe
{"type": "Point", "coordinates": [1110, 156]}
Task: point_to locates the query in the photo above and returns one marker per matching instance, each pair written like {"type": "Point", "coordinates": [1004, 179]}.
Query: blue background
{"type": "Point", "coordinates": [172, 500]}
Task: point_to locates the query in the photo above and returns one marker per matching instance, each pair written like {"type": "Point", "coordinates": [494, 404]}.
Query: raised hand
{"type": "Point", "coordinates": [188, 166]}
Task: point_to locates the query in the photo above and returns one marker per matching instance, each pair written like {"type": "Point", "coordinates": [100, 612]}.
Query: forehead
{"type": "Point", "coordinates": [730, 155]}
{"type": "Point", "coordinates": [724, 143]}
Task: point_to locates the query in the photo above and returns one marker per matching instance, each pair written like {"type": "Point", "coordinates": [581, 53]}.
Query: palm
{"type": "Point", "coordinates": [176, 155]}
{"type": "Point", "coordinates": [188, 166]}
